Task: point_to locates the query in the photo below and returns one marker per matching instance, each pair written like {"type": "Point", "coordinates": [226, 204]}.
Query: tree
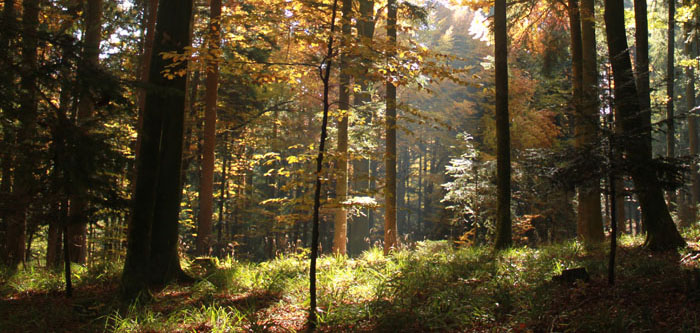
{"type": "Point", "coordinates": [589, 219]}
{"type": "Point", "coordinates": [641, 62]}
{"type": "Point", "coordinates": [661, 232]}
{"type": "Point", "coordinates": [206, 189]}
{"type": "Point", "coordinates": [390, 229]}
{"type": "Point", "coordinates": [689, 50]}
{"type": "Point", "coordinates": [670, 84]}
{"type": "Point", "coordinates": [325, 68]}
{"type": "Point", "coordinates": [359, 228]}
{"type": "Point", "coordinates": [503, 168]}
{"type": "Point", "coordinates": [7, 88]}
{"type": "Point", "coordinates": [24, 185]}
{"type": "Point", "coordinates": [152, 256]}
{"type": "Point", "coordinates": [149, 23]}
{"type": "Point", "coordinates": [87, 70]}
{"type": "Point", "coordinates": [341, 216]}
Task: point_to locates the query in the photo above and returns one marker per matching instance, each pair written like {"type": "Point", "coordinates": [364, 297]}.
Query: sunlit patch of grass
{"type": "Point", "coordinates": [692, 235]}
{"type": "Point", "coordinates": [627, 240]}
{"type": "Point", "coordinates": [431, 286]}
{"type": "Point", "coordinates": [212, 318]}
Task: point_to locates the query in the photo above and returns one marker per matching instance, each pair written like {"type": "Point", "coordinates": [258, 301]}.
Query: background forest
{"type": "Point", "coordinates": [220, 144]}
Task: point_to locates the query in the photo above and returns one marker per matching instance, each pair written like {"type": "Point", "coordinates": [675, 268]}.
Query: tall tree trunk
{"type": "Point", "coordinates": [223, 191]}
{"type": "Point", "coordinates": [206, 184]}
{"type": "Point", "coordinates": [149, 18]}
{"type": "Point", "coordinates": [327, 61]}
{"type": "Point", "coordinates": [390, 230]}
{"type": "Point", "coordinates": [641, 64]}
{"type": "Point", "coordinates": [577, 98]}
{"type": "Point", "coordinates": [77, 220]}
{"type": "Point", "coordinates": [503, 222]}
{"type": "Point", "coordinates": [661, 232]}
{"type": "Point", "coordinates": [359, 228]}
{"type": "Point", "coordinates": [689, 49]}
{"type": "Point", "coordinates": [670, 83]}
{"type": "Point", "coordinates": [589, 218]}
{"type": "Point", "coordinates": [60, 181]}
{"type": "Point", "coordinates": [24, 183]}
{"type": "Point", "coordinates": [8, 26]}
{"type": "Point", "coordinates": [340, 229]}
{"type": "Point", "coordinates": [421, 176]}
{"type": "Point", "coordinates": [191, 129]}
{"type": "Point", "coordinates": [152, 238]}
{"type": "Point", "coordinates": [401, 177]}
{"type": "Point", "coordinates": [618, 179]}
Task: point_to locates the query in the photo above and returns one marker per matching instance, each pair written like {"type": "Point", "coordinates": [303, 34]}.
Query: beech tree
{"type": "Point", "coordinates": [87, 69]}
{"type": "Point", "coordinates": [689, 48]}
{"type": "Point", "coordinates": [589, 219]}
{"type": "Point", "coordinates": [661, 231]}
{"type": "Point", "coordinates": [325, 71]}
{"type": "Point", "coordinates": [670, 85]}
{"type": "Point", "coordinates": [206, 190]}
{"type": "Point", "coordinates": [390, 229]}
{"type": "Point", "coordinates": [152, 256]}
{"type": "Point", "coordinates": [360, 225]}
{"type": "Point", "coordinates": [24, 185]}
{"type": "Point", "coordinates": [503, 219]}
{"type": "Point", "coordinates": [341, 216]}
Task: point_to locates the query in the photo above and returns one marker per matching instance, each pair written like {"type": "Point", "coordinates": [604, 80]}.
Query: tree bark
{"type": "Point", "coordinates": [689, 49]}
{"type": "Point", "coordinates": [661, 232]}
{"type": "Point", "coordinates": [503, 168]}
{"type": "Point", "coordinates": [641, 63]}
{"type": "Point", "coordinates": [206, 184]}
{"type": "Point", "coordinates": [150, 14]}
{"type": "Point", "coordinates": [618, 180]}
{"type": "Point", "coordinates": [359, 228]}
{"type": "Point", "coordinates": [8, 139]}
{"type": "Point", "coordinates": [390, 228]}
{"type": "Point", "coordinates": [90, 56]}
{"type": "Point", "coordinates": [670, 84]}
{"type": "Point", "coordinates": [152, 256]}
{"type": "Point", "coordinates": [24, 183]}
{"type": "Point", "coordinates": [589, 218]}
{"type": "Point", "coordinates": [340, 230]}
{"type": "Point", "coordinates": [328, 62]}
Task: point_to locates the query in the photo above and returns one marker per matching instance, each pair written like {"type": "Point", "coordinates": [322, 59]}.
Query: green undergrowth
{"type": "Point", "coordinates": [432, 286]}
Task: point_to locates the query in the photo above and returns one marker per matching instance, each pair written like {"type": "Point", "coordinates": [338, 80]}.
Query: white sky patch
{"type": "Point", "coordinates": [479, 28]}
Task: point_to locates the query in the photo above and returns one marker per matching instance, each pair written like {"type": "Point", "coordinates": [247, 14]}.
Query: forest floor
{"type": "Point", "coordinates": [431, 287]}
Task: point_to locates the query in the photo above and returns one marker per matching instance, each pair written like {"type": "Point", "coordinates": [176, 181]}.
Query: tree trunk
{"type": "Point", "coordinates": [692, 127]}
{"type": "Point", "coordinates": [8, 139]}
{"type": "Point", "coordinates": [359, 229]}
{"type": "Point", "coordinates": [661, 232]}
{"type": "Point", "coordinates": [206, 184]}
{"type": "Point", "coordinates": [24, 183]}
{"type": "Point", "coordinates": [223, 193]}
{"type": "Point", "coordinates": [670, 83]}
{"type": "Point", "coordinates": [152, 238]}
{"type": "Point", "coordinates": [340, 229]}
{"type": "Point", "coordinates": [618, 181]}
{"type": "Point", "coordinates": [589, 218]}
{"type": "Point", "coordinates": [77, 220]}
{"type": "Point", "coordinates": [577, 85]}
{"type": "Point", "coordinates": [7, 80]}
{"type": "Point", "coordinates": [149, 18]}
{"type": "Point", "coordinates": [390, 230]}
{"type": "Point", "coordinates": [401, 176]}
{"type": "Point", "coordinates": [503, 222]}
{"type": "Point", "coordinates": [641, 64]}
{"type": "Point", "coordinates": [327, 61]}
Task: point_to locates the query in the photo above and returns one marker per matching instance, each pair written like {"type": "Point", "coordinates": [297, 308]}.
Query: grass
{"type": "Point", "coordinates": [431, 287]}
